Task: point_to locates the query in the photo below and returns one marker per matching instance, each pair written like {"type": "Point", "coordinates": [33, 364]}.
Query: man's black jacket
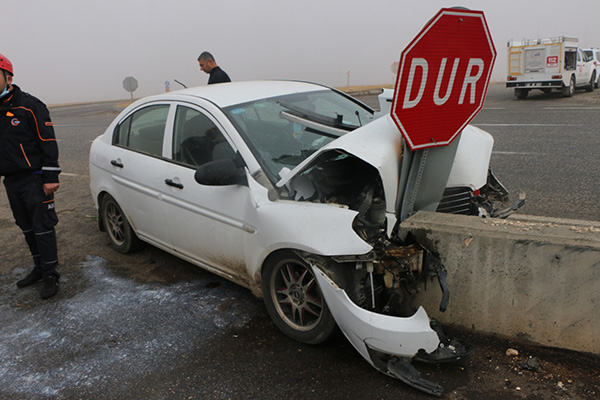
{"type": "Point", "coordinates": [27, 141]}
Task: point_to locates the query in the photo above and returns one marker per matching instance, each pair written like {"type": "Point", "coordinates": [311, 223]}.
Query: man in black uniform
{"type": "Point", "coordinates": [29, 164]}
{"type": "Point", "coordinates": [208, 64]}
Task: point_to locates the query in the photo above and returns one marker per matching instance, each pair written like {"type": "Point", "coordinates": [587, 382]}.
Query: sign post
{"type": "Point", "coordinates": [443, 77]}
{"type": "Point", "coordinates": [130, 84]}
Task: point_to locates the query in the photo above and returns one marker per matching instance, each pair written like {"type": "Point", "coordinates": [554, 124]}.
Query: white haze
{"type": "Point", "coordinates": [76, 50]}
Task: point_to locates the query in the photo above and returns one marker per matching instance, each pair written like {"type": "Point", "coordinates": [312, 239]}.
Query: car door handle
{"type": "Point", "coordinates": [116, 163]}
{"type": "Point", "coordinates": [174, 184]}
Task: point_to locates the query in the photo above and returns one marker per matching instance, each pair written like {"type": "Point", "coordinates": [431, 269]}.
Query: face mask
{"type": "Point", "coordinates": [5, 92]}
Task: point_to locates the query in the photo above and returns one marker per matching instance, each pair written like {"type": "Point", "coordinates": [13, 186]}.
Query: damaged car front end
{"type": "Point", "coordinates": [370, 295]}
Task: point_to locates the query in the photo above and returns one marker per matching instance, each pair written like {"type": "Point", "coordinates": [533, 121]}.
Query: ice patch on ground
{"type": "Point", "coordinates": [116, 329]}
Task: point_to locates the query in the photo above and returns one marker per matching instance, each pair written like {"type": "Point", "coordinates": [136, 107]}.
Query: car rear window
{"type": "Point", "coordinates": [143, 130]}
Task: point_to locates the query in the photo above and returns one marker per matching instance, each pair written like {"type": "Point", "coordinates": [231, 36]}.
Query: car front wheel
{"type": "Point", "coordinates": [122, 237]}
{"type": "Point", "coordinates": [294, 300]}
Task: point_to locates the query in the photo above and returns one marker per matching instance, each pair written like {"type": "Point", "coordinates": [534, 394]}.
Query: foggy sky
{"type": "Point", "coordinates": [67, 51]}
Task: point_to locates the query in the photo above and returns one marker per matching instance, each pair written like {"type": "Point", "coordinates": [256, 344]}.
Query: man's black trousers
{"type": "Point", "coordinates": [35, 214]}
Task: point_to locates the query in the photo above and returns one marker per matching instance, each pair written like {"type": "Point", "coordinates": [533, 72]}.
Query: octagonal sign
{"type": "Point", "coordinates": [443, 78]}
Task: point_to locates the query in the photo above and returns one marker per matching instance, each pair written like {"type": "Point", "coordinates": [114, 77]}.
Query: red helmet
{"type": "Point", "coordinates": [6, 65]}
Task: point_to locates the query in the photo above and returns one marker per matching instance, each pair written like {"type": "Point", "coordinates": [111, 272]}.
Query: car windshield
{"type": "Point", "coordinates": [283, 131]}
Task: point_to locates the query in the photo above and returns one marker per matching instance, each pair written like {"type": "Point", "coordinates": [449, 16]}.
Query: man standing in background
{"type": "Point", "coordinates": [29, 164]}
{"type": "Point", "coordinates": [208, 64]}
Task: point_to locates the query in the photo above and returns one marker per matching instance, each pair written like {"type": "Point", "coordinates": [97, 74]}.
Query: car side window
{"type": "Point", "coordinates": [143, 130]}
{"type": "Point", "coordinates": [197, 140]}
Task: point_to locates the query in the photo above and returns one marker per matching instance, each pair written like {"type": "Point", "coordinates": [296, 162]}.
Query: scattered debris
{"type": "Point", "coordinates": [531, 364]}
{"type": "Point", "coordinates": [512, 353]}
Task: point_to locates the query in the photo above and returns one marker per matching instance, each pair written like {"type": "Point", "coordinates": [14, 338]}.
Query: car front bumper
{"type": "Point", "coordinates": [372, 333]}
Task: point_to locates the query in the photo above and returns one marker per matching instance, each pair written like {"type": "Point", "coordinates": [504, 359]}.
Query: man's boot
{"type": "Point", "coordinates": [33, 277]}
{"type": "Point", "coordinates": [50, 287]}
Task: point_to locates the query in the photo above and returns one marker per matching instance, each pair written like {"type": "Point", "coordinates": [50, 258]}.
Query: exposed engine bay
{"type": "Point", "coordinates": [386, 280]}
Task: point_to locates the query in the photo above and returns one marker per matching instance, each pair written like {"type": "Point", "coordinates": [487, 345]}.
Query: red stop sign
{"type": "Point", "coordinates": [443, 78]}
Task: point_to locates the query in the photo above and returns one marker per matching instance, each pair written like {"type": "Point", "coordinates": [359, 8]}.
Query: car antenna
{"type": "Point", "coordinates": [358, 116]}
{"type": "Point", "coordinates": [180, 83]}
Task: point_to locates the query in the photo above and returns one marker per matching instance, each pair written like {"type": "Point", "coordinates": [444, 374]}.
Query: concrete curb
{"type": "Point", "coordinates": [529, 278]}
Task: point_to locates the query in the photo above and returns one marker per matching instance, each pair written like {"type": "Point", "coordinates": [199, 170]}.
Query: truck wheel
{"type": "Point", "coordinates": [568, 91]}
{"type": "Point", "coordinates": [521, 93]}
{"type": "Point", "coordinates": [590, 86]}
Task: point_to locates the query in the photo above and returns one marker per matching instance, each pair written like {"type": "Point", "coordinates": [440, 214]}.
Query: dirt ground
{"type": "Point", "coordinates": [489, 373]}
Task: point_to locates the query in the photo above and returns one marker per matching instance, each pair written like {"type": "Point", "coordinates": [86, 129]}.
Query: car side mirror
{"type": "Point", "coordinates": [220, 173]}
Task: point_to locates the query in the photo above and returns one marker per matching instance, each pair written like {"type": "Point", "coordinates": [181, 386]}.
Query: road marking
{"type": "Point", "coordinates": [528, 125]}
{"type": "Point", "coordinates": [69, 174]}
{"type": "Point", "coordinates": [520, 153]}
{"type": "Point", "coordinates": [571, 108]}
{"type": "Point", "coordinates": [77, 125]}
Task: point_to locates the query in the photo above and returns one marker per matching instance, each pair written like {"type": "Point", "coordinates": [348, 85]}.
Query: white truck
{"type": "Point", "coordinates": [549, 63]}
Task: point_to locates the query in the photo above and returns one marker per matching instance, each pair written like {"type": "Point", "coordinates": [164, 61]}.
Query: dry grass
{"type": "Point", "coordinates": [363, 88]}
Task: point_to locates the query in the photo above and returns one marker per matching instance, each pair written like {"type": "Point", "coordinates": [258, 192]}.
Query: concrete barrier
{"type": "Point", "coordinates": [530, 278]}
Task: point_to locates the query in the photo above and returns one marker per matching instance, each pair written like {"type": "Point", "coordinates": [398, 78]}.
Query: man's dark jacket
{"type": "Point", "coordinates": [27, 141]}
{"type": "Point", "coordinates": [217, 75]}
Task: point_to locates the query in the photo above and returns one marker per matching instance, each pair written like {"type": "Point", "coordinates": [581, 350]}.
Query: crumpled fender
{"type": "Point", "coordinates": [402, 337]}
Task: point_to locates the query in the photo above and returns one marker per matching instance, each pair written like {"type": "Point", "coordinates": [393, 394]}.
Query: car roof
{"type": "Point", "coordinates": [227, 94]}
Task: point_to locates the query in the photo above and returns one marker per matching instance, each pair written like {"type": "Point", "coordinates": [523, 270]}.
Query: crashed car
{"type": "Point", "coordinates": [295, 191]}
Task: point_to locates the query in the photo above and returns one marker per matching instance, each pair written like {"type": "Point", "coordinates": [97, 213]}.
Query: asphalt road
{"type": "Point", "coordinates": [149, 326]}
{"type": "Point", "coordinates": [547, 146]}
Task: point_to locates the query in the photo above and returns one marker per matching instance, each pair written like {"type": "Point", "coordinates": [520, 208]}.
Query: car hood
{"type": "Point", "coordinates": [379, 144]}
{"type": "Point", "coordinates": [412, 180]}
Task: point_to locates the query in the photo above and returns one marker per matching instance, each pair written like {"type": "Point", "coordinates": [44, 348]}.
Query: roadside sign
{"type": "Point", "coordinates": [130, 84]}
{"type": "Point", "coordinates": [443, 78]}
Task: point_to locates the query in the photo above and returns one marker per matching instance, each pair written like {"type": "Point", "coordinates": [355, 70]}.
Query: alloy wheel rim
{"type": "Point", "coordinates": [115, 224]}
{"type": "Point", "coordinates": [298, 299]}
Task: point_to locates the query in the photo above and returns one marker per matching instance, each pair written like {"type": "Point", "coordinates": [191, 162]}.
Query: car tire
{"type": "Point", "coordinates": [122, 237]}
{"type": "Point", "coordinates": [294, 300]}
{"type": "Point", "coordinates": [591, 85]}
{"type": "Point", "coordinates": [568, 91]}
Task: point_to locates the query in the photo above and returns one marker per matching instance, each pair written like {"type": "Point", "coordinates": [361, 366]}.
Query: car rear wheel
{"type": "Point", "coordinates": [294, 300]}
{"type": "Point", "coordinates": [122, 237]}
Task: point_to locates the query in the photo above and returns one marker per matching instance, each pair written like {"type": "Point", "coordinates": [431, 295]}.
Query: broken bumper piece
{"type": "Point", "coordinates": [388, 343]}
{"type": "Point", "coordinates": [402, 369]}
{"type": "Point", "coordinates": [449, 349]}
{"type": "Point", "coordinates": [366, 330]}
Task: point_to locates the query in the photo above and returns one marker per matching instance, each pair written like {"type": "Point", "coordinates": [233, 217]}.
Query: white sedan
{"type": "Point", "coordinates": [295, 191]}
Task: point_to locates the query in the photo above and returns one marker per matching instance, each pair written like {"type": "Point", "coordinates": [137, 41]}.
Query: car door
{"type": "Point", "coordinates": [583, 68]}
{"type": "Point", "coordinates": [207, 222]}
{"type": "Point", "coordinates": [137, 161]}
